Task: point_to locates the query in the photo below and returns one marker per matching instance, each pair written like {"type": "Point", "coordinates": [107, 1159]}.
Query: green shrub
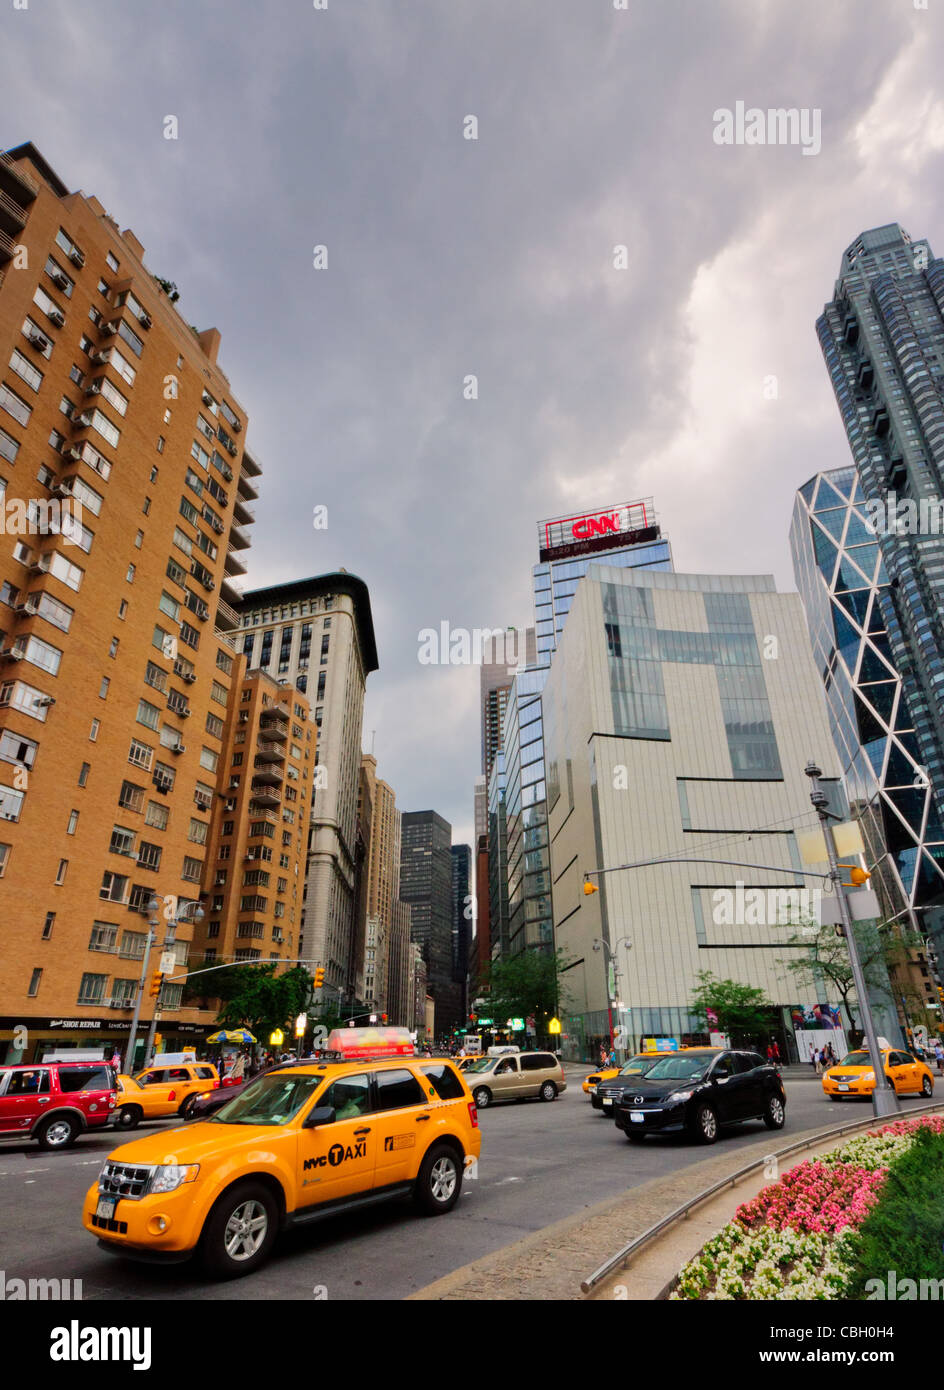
{"type": "Point", "coordinates": [905, 1231]}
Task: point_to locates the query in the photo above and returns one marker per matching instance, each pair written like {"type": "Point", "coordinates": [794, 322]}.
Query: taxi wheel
{"type": "Point", "coordinates": [240, 1231]}
{"type": "Point", "coordinates": [927, 1087]}
{"type": "Point", "coordinates": [128, 1117]}
{"type": "Point", "coordinates": [186, 1110]}
{"type": "Point", "coordinates": [440, 1180]}
{"type": "Point", "coordinates": [482, 1097]}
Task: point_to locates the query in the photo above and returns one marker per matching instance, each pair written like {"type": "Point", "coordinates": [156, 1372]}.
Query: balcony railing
{"type": "Point", "coordinates": [13, 216]}
{"type": "Point", "coordinates": [226, 616]}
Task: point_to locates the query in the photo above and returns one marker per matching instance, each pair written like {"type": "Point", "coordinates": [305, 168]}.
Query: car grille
{"type": "Point", "coordinates": [103, 1224]}
{"type": "Point", "coordinates": [124, 1180]}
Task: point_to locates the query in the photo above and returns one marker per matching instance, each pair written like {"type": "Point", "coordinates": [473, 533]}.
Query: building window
{"type": "Point", "coordinates": [48, 925]}
{"type": "Point", "coordinates": [62, 871]}
{"type": "Point", "coordinates": [123, 609]}
{"type": "Point", "coordinates": [130, 575]}
{"type": "Point", "coordinates": [73, 822]}
{"type": "Point", "coordinates": [113, 648]}
{"type": "Point", "coordinates": [103, 688]}
{"type": "Point", "coordinates": [92, 989]}
{"type": "Point", "coordinates": [83, 773]}
{"type": "Point", "coordinates": [34, 983]}
{"type": "Point", "coordinates": [93, 732]}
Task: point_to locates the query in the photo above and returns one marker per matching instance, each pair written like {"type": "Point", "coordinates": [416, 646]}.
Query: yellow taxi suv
{"type": "Point", "coordinates": [158, 1091]}
{"type": "Point", "coordinates": [301, 1142]}
{"type": "Point", "coordinates": [854, 1075]}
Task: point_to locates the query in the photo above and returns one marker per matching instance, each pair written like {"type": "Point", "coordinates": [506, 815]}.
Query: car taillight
{"type": "Point", "coordinates": [473, 1114]}
{"type": "Point", "coordinates": [216, 1085]}
{"type": "Point", "coordinates": [172, 1096]}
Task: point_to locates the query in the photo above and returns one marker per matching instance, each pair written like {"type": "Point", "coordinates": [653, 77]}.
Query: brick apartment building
{"type": "Point", "coordinates": [125, 489]}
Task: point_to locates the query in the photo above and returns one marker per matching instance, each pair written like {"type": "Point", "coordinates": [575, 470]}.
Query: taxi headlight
{"type": "Point", "coordinates": [867, 1076]}
{"type": "Point", "coordinates": [680, 1095]}
{"type": "Point", "coordinates": [169, 1176]}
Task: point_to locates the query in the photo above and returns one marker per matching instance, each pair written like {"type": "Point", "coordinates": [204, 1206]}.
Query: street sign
{"type": "Point", "coordinates": [516, 1024]}
{"type": "Point", "coordinates": [168, 962]}
{"type": "Point", "coordinates": [554, 1026]}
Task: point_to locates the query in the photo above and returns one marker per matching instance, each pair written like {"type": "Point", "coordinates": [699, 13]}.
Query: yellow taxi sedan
{"type": "Point", "coordinates": [854, 1075]}
{"type": "Point", "coordinates": [160, 1091]}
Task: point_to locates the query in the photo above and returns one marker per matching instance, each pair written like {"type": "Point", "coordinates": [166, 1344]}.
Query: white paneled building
{"type": "Point", "coordinates": [679, 713]}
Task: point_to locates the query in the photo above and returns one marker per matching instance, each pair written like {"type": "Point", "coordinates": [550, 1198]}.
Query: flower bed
{"type": "Point", "coordinates": [797, 1239]}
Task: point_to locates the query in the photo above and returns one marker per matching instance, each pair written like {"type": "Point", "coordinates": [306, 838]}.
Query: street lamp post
{"type": "Point", "coordinates": [170, 937]}
{"type": "Point", "coordinates": [609, 959]}
{"type": "Point", "coordinates": [884, 1098]}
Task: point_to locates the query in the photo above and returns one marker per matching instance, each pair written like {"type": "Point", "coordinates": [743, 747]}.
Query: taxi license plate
{"type": "Point", "coordinates": [106, 1207]}
{"type": "Point", "coordinates": [842, 1086]}
{"type": "Point", "coordinates": [637, 1119]}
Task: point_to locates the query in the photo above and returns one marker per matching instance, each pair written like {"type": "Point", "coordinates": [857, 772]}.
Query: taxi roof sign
{"type": "Point", "coordinates": [370, 1044]}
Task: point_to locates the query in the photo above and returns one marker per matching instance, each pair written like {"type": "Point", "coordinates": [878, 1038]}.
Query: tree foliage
{"type": "Point", "coordinates": [254, 997]}
{"type": "Point", "coordinates": [524, 985]}
{"type": "Point", "coordinates": [740, 1009]}
{"type": "Point", "coordinates": [823, 956]}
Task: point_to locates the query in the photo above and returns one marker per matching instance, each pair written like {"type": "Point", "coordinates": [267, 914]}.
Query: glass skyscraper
{"type": "Point", "coordinates": [626, 537]}
{"type": "Point", "coordinates": [842, 580]}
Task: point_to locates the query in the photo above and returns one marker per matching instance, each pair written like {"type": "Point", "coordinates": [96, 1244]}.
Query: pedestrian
{"type": "Point", "coordinates": [770, 1054]}
{"type": "Point", "coordinates": [116, 1060]}
{"type": "Point", "coordinates": [818, 1055]}
{"type": "Point", "coordinates": [939, 1053]}
{"type": "Point", "coordinates": [776, 1049]}
{"type": "Point", "coordinates": [813, 1056]}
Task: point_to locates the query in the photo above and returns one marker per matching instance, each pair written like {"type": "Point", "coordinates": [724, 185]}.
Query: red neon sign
{"type": "Point", "coordinates": [589, 526]}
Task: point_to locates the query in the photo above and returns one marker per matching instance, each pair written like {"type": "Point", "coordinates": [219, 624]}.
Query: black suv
{"type": "Point", "coordinates": [700, 1091]}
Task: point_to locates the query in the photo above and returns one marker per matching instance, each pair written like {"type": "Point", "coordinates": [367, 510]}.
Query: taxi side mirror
{"type": "Point", "coordinates": [321, 1115]}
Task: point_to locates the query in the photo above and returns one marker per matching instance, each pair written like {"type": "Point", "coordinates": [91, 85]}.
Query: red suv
{"type": "Point", "coordinates": [53, 1102]}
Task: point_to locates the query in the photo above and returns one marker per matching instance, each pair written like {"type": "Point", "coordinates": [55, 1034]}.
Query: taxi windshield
{"type": "Point", "coordinates": [635, 1065]}
{"type": "Point", "coordinates": [856, 1059]}
{"type": "Point", "coordinates": [483, 1064]}
{"type": "Point", "coordinates": [129, 1081]}
{"type": "Point", "coordinates": [690, 1068]}
{"type": "Point", "coordinates": [269, 1100]}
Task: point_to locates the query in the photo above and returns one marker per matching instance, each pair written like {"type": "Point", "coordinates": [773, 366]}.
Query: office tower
{"type": "Point", "coordinates": [462, 900]}
{"type": "Point", "coordinates": [256, 859]}
{"type": "Point", "coordinates": [624, 537]}
{"type": "Point", "coordinates": [383, 888]}
{"type": "Point", "coordinates": [882, 336]}
{"type": "Point", "coordinates": [357, 957]}
{"type": "Point", "coordinates": [426, 884]}
{"type": "Point", "coordinates": [680, 712]}
{"type": "Point", "coordinates": [323, 625]}
{"type": "Point", "coordinates": [125, 481]}
{"type": "Point", "coordinates": [497, 861]}
{"type": "Point", "coordinates": [480, 953]}
{"type": "Point", "coordinates": [841, 579]}
{"type": "Point", "coordinates": [480, 807]}
{"type": "Point", "coordinates": [503, 654]}
{"type": "Point", "coordinates": [399, 965]}
{"type": "Point", "coordinates": [419, 984]}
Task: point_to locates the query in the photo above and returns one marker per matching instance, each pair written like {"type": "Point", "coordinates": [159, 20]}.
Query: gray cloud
{"type": "Point", "coordinates": [494, 257]}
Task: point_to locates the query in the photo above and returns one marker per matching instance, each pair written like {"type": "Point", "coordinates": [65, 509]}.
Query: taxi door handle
{"type": "Point", "coordinates": [421, 1118]}
{"type": "Point", "coordinates": [359, 1132]}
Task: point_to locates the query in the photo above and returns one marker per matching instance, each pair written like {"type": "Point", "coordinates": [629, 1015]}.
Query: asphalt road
{"type": "Point", "coordinates": [540, 1163]}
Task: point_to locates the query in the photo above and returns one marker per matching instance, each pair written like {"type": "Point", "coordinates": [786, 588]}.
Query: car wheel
{"type": "Point", "coordinates": [58, 1132]}
{"type": "Point", "coordinates": [927, 1086]}
{"type": "Point", "coordinates": [440, 1180]}
{"type": "Point", "coordinates": [128, 1117]}
{"type": "Point", "coordinates": [775, 1115]}
{"type": "Point", "coordinates": [482, 1097]}
{"type": "Point", "coordinates": [240, 1231]}
{"type": "Point", "coordinates": [705, 1125]}
{"type": "Point", "coordinates": [186, 1110]}
{"type": "Point", "coordinates": [548, 1091]}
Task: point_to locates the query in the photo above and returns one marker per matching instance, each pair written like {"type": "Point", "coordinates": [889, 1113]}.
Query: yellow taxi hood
{"type": "Point", "coordinates": [195, 1142]}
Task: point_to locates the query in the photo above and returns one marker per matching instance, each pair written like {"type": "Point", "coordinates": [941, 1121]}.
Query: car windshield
{"type": "Point", "coordinates": [130, 1081]}
{"type": "Point", "coordinates": [690, 1068]}
{"type": "Point", "coordinates": [484, 1064]}
{"type": "Point", "coordinates": [856, 1059]}
{"type": "Point", "coordinates": [269, 1100]}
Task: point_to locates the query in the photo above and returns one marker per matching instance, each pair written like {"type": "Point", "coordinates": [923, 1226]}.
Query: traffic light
{"type": "Point", "coordinates": [319, 977]}
{"type": "Point", "coordinates": [857, 876]}
{"type": "Point", "coordinates": [384, 1018]}
{"type": "Point", "coordinates": [157, 979]}
{"type": "Point", "coordinates": [589, 888]}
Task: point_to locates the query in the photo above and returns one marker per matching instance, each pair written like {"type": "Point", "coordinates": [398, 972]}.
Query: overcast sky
{"type": "Point", "coordinates": [449, 257]}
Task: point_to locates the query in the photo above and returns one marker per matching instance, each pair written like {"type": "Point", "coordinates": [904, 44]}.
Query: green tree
{"type": "Point", "coordinates": [739, 1009]}
{"type": "Point", "coordinates": [823, 957]}
{"type": "Point", "coordinates": [254, 997]}
{"type": "Point", "coordinates": [525, 985]}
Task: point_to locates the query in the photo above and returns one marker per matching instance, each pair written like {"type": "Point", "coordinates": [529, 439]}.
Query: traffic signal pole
{"type": "Point", "coordinates": [884, 1097]}
{"type": "Point", "coordinates": [133, 1036]}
